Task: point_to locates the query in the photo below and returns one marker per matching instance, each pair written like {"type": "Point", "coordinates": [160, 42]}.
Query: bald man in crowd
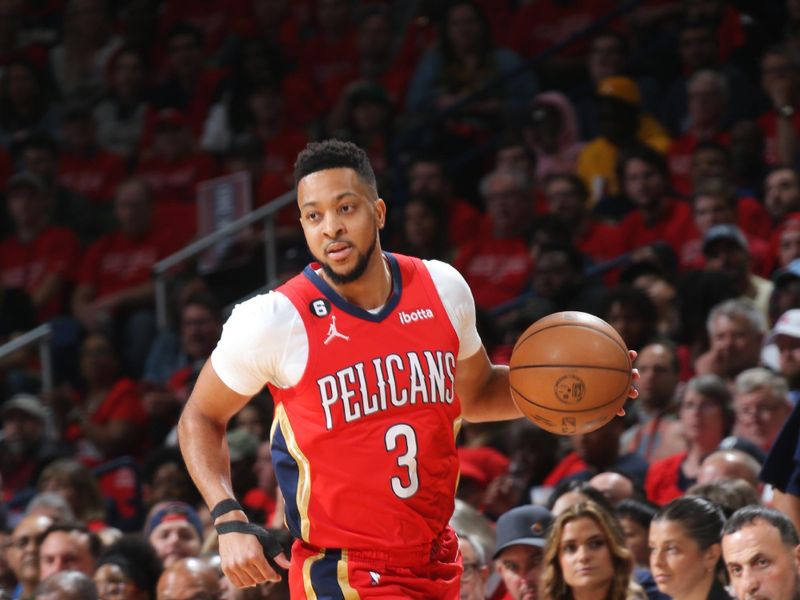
{"type": "Point", "coordinates": [67, 585]}
{"type": "Point", "coordinates": [187, 579]}
{"type": "Point", "coordinates": [728, 465]}
{"type": "Point", "coordinates": [614, 487]}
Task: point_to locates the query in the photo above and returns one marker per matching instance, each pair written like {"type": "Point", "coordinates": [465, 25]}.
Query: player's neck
{"type": "Point", "coordinates": [372, 289]}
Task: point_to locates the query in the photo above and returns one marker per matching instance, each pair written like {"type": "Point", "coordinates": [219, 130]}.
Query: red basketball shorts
{"type": "Point", "coordinates": [429, 571]}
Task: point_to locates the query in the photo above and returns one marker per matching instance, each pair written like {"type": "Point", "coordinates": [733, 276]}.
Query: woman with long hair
{"type": "Point", "coordinates": [685, 551]}
{"type": "Point", "coordinates": [586, 558]}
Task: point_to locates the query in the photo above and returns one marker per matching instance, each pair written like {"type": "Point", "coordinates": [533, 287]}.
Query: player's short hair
{"type": "Point", "coordinates": [334, 154]}
{"type": "Point", "coordinates": [750, 514]}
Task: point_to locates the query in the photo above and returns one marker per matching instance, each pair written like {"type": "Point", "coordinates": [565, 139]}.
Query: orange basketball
{"type": "Point", "coordinates": [570, 373]}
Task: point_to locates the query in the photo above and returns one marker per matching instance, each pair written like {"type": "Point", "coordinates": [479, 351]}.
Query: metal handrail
{"type": "Point", "coordinates": [264, 213]}
{"type": "Point", "coordinates": [39, 335]}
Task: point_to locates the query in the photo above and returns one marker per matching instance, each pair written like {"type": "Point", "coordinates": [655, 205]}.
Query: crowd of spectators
{"type": "Point", "coordinates": [646, 172]}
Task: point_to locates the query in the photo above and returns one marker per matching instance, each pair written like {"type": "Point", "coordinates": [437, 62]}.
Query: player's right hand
{"type": "Point", "coordinates": [243, 560]}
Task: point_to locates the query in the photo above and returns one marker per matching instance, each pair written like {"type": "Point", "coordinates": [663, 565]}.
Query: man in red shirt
{"type": "Point", "coordinates": [39, 257]}
{"type": "Point", "coordinates": [192, 86]}
{"type": "Point", "coordinates": [173, 168]}
{"type": "Point", "coordinates": [115, 289]}
{"type": "Point", "coordinates": [781, 193]}
{"type": "Point", "coordinates": [427, 177]}
{"type": "Point", "coordinates": [498, 265]}
{"type": "Point", "coordinates": [568, 198]}
{"type": "Point", "coordinates": [657, 216]}
{"type": "Point", "coordinates": [707, 100]}
{"type": "Point", "coordinates": [715, 203]}
{"type": "Point", "coordinates": [83, 166]}
{"type": "Point", "coordinates": [780, 81]}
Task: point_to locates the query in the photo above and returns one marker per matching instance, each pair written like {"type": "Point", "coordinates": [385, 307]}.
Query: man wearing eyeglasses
{"type": "Point", "coordinates": [761, 402]}
{"type": "Point", "coordinates": [22, 552]}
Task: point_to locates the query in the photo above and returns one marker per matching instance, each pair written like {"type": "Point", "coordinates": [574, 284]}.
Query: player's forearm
{"type": "Point", "coordinates": [205, 452]}
{"type": "Point", "coordinates": [492, 401]}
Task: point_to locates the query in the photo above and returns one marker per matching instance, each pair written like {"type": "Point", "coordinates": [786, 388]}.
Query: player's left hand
{"type": "Point", "coordinates": [633, 393]}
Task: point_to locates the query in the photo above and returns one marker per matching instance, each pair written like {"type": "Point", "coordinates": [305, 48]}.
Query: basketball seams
{"type": "Point", "coordinates": [570, 324]}
{"type": "Point", "coordinates": [566, 366]}
{"type": "Point", "coordinates": [567, 410]}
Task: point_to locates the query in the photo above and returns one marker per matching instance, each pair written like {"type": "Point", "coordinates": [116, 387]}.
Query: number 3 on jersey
{"type": "Point", "coordinates": [407, 460]}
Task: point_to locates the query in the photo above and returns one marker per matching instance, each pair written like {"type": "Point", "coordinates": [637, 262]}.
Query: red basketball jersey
{"type": "Point", "coordinates": [364, 444]}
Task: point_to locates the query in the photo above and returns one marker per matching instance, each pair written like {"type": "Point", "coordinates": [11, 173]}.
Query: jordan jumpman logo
{"type": "Point", "coordinates": [333, 333]}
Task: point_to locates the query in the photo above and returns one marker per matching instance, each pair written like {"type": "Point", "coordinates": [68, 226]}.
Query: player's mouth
{"type": "Point", "coordinates": [338, 251]}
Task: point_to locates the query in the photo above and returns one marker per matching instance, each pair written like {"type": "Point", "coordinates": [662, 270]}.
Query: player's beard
{"type": "Point", "coordinates": [357, 271]}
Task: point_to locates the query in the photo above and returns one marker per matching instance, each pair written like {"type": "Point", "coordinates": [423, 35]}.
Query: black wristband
{"type": "Point", "coordinates": [271, 546]}
{"type": "Point", "coordinates": [223, 507]}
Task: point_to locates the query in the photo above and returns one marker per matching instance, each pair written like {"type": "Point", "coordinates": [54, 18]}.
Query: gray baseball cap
{"type": "Point", "coordinates": [526, 525]}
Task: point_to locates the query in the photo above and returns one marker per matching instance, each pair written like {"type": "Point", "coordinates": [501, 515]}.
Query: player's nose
{"type": "Point", "coordinates": [332, 225]}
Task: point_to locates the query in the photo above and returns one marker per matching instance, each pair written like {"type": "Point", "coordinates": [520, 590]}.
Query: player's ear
{"type": "Point", "coordinates": [380, 212]}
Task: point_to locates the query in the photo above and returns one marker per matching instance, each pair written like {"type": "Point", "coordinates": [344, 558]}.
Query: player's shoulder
{"type": "Point", "coordinates": [450, 284]}
{"type": "Point", "coordinates": [441, 270]}
{"type": "Point", "coordinates": [263, 309]}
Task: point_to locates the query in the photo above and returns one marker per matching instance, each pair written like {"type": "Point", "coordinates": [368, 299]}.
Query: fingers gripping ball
{"type": "Point", "coordinates": [570, 373]}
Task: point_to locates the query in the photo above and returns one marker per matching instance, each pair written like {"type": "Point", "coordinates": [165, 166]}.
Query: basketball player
{"type": "Point", "coordinates": [373, 360]}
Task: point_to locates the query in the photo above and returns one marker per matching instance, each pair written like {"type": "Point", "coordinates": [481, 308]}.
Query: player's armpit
{"type": "Point", "coordinates": [483, 389]}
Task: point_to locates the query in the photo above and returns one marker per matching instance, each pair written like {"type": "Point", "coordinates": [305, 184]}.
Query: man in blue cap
{"type": "Point", "coordinates": [521, 536]}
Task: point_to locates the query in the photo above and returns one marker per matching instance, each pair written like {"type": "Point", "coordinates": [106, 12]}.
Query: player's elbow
{"type": "Point", "coordinates": [195, 424]}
